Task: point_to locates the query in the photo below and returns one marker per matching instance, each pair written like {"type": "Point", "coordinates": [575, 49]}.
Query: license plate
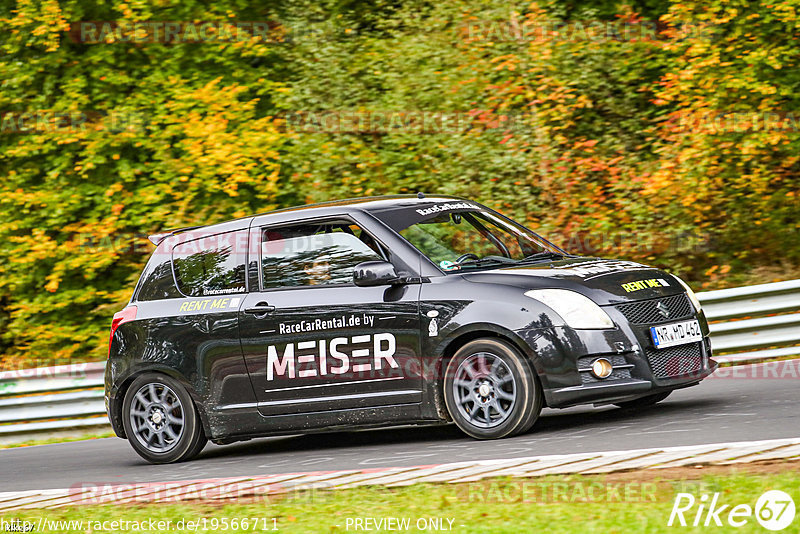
{"type": "Point", "coordinates": [669, 335]}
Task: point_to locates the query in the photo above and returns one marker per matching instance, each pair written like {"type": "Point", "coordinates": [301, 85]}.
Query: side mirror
{"type": "Point", "coordinates": [374, 273]}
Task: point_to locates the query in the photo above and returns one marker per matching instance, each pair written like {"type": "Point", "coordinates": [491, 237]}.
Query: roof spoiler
{"type": "Point", "coordinates": [158, 238]}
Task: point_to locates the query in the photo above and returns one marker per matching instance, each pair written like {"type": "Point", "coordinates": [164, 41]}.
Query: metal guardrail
{"type": "Point", "coordinates": [64, 398]}
{"type": "Point", "coordinates": [754, 323]}
{"type": "Point", "coordinates": [748, 324]}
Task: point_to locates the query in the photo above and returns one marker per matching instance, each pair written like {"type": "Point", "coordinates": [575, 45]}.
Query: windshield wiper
{"type": "Point", "coordinates": [488, 259]}
{"type": "Point", "coordinates": [543, 255]}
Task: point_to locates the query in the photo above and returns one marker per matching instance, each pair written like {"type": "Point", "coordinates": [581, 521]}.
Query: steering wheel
{"type": "Point", "coordinates": [467, 256]}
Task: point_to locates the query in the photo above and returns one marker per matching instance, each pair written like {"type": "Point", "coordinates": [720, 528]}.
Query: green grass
{"type": "Point", "coordinates": [49, 441]}
{"type": "Point", "coordinates": [489, 506]}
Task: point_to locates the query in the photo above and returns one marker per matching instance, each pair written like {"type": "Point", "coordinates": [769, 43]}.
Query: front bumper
{"type": "Point", "coordinates": [611, 391]}
{"type": "Point", "coordinates": [563, 356]}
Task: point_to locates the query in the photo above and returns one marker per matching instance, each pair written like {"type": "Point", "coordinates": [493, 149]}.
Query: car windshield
{"type": "Point", "coordinates": [472, 239]}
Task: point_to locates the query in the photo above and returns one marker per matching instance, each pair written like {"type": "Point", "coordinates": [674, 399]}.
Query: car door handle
{"type": "Point", "coordinates": [260, 309]}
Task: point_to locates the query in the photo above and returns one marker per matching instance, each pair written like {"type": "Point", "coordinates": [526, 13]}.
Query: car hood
{"type": "Point", "coordinates": [604, 281]}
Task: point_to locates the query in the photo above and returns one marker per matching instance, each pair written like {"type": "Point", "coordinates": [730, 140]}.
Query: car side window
{"type": "Point", "coordinates": [315, 254]}
{"type": "Point", "coordinates": [211, 265]}
{"type": "Point", "coordinates": [157, 281]}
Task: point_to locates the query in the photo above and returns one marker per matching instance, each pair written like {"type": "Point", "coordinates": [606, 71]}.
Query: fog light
{"type": "Point", "coordinates": [601, 368]}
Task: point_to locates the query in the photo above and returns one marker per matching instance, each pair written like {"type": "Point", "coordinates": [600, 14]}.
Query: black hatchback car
{"type": "Point", "coordinates": [386, 311]}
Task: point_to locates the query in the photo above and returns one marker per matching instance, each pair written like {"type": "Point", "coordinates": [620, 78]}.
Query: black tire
{"type": "Point", "coordinates": [643, 402]}
{"type": "Point", "coordinates": [499, 398]}
{"type": "Point", "coordinates": [161, 421]}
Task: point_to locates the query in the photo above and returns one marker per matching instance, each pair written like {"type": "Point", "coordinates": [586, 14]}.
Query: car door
{"type": "Point", "coordinates": [312, 340]}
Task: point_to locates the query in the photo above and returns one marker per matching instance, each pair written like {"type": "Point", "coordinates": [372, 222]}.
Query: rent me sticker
{"type": "Point", "coordinates": [210, 304]}
{"type": "Point", "coordinates": [644, 284]}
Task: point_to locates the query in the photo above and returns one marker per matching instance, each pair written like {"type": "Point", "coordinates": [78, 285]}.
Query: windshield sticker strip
{"type": "Point", "coordinates": [448, 206]}
{"type": "Point", "coordinates": [638, 285]}
{"type": "Point", "coordinates": [591, 269]}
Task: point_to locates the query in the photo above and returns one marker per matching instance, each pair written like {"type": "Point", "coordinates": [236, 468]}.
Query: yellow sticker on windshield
{"type": "Point", "coordinates": [644, 284]}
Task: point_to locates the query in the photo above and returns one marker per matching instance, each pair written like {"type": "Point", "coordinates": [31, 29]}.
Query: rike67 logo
{"type": "Point", "coordinates": [774, 510]}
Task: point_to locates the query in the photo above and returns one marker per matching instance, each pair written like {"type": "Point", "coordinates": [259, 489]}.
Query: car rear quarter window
{"type": "Point", "coordinates": [157, 282]}
{"type": "Point", "coordinates": [211, 265]}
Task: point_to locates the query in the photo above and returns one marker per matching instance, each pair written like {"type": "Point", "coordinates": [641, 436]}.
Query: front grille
{"type": "Point", "coordinates": [647, 312]}
{"type": "Point", "coordinates": [616, 360]}
{"type": "Point", "coordinates": [675, 361]}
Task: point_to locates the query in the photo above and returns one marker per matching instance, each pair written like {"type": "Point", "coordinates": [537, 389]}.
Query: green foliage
{"type": "Point", "coordinates": [576, 133]}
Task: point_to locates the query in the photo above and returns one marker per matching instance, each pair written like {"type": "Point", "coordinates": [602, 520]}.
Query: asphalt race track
{"type": "Point", "coordinates": [721, 409]}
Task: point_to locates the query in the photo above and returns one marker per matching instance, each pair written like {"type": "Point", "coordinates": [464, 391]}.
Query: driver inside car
{"type": "Point", "coordinates": [318, 271]}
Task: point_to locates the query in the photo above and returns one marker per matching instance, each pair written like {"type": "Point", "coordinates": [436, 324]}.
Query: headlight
{"type": "Point", "coordinates": [689, 292]}
{"type": "Point", "coordinates": [576, 310]}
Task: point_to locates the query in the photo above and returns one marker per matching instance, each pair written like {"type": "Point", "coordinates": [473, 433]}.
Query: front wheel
{"type": "Point", "coordinates": [643, 402]}
{"type": "Point", "coordinates": [490, 390]}
{"type": "Point", "coordinates": [161, 421]}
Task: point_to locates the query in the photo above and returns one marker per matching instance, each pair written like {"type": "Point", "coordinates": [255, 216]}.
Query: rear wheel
{"type": "Point", "coordinates": [644, 401]}
{"type": "Point", "coordinates": [490, 390]}
{"type": "Point", "coordinates": [161, 421]}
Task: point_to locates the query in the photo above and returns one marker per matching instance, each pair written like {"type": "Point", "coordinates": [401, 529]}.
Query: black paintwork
{"type": "Point", "coordinates": [220, 354]}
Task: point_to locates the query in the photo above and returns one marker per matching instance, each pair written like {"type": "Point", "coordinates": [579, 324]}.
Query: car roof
{"type": "Point", "coordinates": [374, 203]}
